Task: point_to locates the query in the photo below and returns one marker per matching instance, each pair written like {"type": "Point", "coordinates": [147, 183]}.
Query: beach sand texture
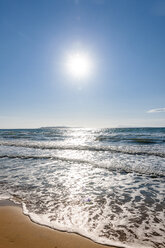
{"type": "Point", "coordinates": [18, 231]}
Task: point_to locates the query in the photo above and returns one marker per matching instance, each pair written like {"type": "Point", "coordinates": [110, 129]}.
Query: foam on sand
{"type": "Point", "coordinates": [16, 230]}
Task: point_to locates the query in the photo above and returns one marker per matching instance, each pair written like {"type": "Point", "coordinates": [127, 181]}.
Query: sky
{"type": "Point", "coordinates": [125, 41]}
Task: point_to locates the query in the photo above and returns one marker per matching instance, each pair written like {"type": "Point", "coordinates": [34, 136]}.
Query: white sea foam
{"type": "Point", "coordinates": [4, 196]}
{"type": "Point", "coordinates": [111, 193]}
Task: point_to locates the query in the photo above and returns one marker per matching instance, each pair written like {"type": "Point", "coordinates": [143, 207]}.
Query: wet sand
{"type": "Point", "coordinates": [18, 231]}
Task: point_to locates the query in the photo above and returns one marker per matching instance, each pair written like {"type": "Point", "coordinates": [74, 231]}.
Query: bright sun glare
{"type": "Point", "coordinates": [79, 65]}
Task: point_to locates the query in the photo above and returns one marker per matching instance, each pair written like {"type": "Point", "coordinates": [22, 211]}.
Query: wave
{"type": "Point", "coordinates": [42, 157]}
{"type": "Point", "coordinates": [132, 140]}
{"type": "Point", "coordinates": [126, 169]}
{"type": "Point", "coordinates": [84, 148]}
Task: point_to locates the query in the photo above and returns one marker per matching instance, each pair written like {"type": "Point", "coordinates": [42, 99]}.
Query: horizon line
{"type": "Point", "coordinates": [22, 128]}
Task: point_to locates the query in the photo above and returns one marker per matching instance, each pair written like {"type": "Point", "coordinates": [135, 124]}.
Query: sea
{"type": "Point", "coordinates": [105, 184]}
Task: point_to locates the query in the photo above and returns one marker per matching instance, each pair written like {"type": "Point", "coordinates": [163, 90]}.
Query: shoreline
{"type": "Point", "coordinates": [18, 231]}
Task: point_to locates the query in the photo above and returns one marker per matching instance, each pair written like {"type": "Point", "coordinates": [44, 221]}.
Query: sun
{"type": "Point", "coordinates": [78, 65]}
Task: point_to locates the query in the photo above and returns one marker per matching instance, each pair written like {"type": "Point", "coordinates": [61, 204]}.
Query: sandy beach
{"type": "Point", "coordinates": [18, 231]}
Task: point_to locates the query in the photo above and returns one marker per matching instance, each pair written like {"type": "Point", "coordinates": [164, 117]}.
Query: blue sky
{"type": "Point", "coordinates": [125, 40]}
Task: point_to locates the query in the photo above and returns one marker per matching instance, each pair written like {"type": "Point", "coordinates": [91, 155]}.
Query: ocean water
{"type": "Point", "coordinates": [105, 184]}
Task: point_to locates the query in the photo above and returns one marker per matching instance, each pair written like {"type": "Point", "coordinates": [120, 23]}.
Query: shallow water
{"type": "Point", "coordinates": [106, 184]}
